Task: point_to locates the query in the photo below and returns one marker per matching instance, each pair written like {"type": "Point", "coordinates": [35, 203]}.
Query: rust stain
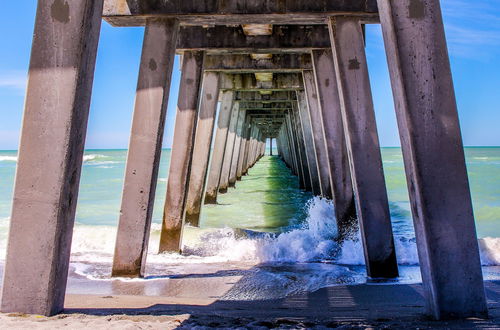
{"type": "Point", "coordinates": [354, 64]}
{"type": "Point", "coordinates": [60, 11]}
{"type": "Point", "coordinates": [416, 9]}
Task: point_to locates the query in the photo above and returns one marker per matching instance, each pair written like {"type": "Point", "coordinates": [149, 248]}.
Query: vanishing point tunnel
{"type": "Point", "coordinates": [290, 70]}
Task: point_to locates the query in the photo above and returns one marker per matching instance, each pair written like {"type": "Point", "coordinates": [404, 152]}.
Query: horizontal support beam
{"type": "Point", "coordinates": [256, 96]}
{"type": "Point", "coordinates": [242, 63]}
{"type": "Point", "coordinates": [266, 112]}
{"type": "Point", "coordinates": [247, 82]}
{"type": "Point", "coordinates": [223, 39]}
{"type": "Point", "coordinates": [265, 106]}
{"type": "Point", "coordinates": [207, 12]}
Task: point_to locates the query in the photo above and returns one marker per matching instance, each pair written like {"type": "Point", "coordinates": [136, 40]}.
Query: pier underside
{"type": "Point", "coordinates": [291, 72]}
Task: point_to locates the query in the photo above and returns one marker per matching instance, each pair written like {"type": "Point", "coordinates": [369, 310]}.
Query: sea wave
{"type": "Point", "coordinates": [86, 158]}
{"type": "Point", "coordinates": [8, 158]}
{"type": "Point", "coordinates": [312, 242]}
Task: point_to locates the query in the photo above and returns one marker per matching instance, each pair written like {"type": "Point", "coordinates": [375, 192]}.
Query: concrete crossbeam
{"type": "Point", "coordinates": [241, 63]}
{"type": "Point", "coordinates": [135, 12]}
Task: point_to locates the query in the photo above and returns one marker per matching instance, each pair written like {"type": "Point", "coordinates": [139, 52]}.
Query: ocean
{"type": "Point", "coordinates": [278, 239]}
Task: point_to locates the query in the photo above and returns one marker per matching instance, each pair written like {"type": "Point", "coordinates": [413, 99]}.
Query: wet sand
{"type": "Point", "coordinates": [347, 306]}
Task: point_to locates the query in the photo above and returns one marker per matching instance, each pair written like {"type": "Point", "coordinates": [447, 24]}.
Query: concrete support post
{"type": "Point", "coordinates": [309, 150]}
{"type": "Point", "coordinates": [293, 141]}
{"type": "Point", "coordinates": [182, 152]}
{"type": "Point", "coordinates": [143, 159]}
{"type": "Point", "coordinates": [301, 148]}
{"type": "Point", "coordinates": [363, 147]}
{"type": "Point", "coordinates": [236, 149]}
{"type": "Point", "coordinates": [202, 144]}
{"type": "Point", "coordinates": [212, 188]}
{"type": "Point", "coordinates": [270, 146]}
{"type": "Point", "coordinates": [248, 148]}
{"type": "Point", "coordinates": [244, 141]}
{"type": "Point", "coordinates": [228, 153]}
{"type": "Point", "coordinates": [343, 195]}
{"type": "Point", "coordinates": [434, 158]}
{"type": "Point", "coordinates": [318, 133]}
{"type": "Point", "coordinates": [53, 135]}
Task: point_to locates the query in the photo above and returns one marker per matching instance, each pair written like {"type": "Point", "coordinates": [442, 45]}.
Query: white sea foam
{"type": "Point", "coordinates": [313, 241]}
{"type": "Point", "coordinates": [489, 248]}
{"type": "Point", "coordinates": [8, 158]}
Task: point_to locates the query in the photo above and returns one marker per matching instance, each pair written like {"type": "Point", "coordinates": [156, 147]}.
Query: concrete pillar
{"type": "Point", "coordinates": [288, 135]}
{"type": "Point", "coordinates": [50, 155]}
{"type": "Point", "coordinates": [182, 151]}
{"type": "Point", "coordinates": [434, 159]}
{"type": "Point", "coordinates": [248, 148]}
{"type": "Point", "coordinates": [143, 159]}
{"type": "Point", "coordinates": [244, 140]}
{"type": "Point", "coordinates": [202, 144]}
{"type": "Point", "coordinates": [271, 146]}
{"type": "Point", "coordinates": [301, 148]}
{"type": "Point", "coordinates": [236, 149]}
{"type": "Point", "coordinates": [318, 133]}
{"type": "Point", "coordinates": [293, 142]}
{"type": "Point", "coordinates": [228, 153]}
{"type": "Point", "coordinates": [343, 195]}
{"type": "Point", "coordinates": [212, 188]}
{"type": "Point", "coordinates": [363, 147]}
{"type": "Point", "coordinates": [309, 150]}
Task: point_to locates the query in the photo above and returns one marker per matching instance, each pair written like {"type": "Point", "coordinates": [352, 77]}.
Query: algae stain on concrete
{"type": "Point", "coordinates": [416, 9]}
{"type": "Point", "coordinates": [60, 11]}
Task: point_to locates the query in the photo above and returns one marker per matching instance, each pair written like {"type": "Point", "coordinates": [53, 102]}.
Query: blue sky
{"type": "Point", "coordinates": [473, 33]}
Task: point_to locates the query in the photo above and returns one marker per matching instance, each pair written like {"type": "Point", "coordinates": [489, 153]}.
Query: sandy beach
{"type": "Point", "coordinates": [378, 306]}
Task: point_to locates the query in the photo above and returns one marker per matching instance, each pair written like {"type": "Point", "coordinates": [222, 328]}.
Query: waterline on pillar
{"type": "Point", "coordinates": [269, 236]}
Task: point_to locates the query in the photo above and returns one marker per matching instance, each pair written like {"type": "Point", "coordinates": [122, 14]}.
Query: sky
{"type": "Point", "coordinates": [472, 30]}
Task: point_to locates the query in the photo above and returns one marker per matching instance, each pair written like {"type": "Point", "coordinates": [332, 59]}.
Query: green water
{"type": "Point", "coordinates": [266, 201]}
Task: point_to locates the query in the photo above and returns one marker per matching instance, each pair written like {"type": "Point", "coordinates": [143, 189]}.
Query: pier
{"type": "Point", "coordinates": [290, 72]}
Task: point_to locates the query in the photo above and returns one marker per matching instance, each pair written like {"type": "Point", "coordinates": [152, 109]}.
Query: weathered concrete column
{"type": "Point", "coordinates": [143, 159]}
{"type": "Point", "coordinates": [228, 153]}
{"type": "Point", "coordinates": [202, 144]}
{"type": "Point", "coordinates": [212, 188]}
{"type": "Point", "coordinates": [248, 147]}
{"type": "Point", "coordinates": [236, 149]}
{"type": "Point", "coordinates": [182, 152]}
{"type": "Point", "coordinates": [309, 143]}
{"type": "Point", "coordinates": [318, 133]}
{"type": "Point", "coordinates": [241, 158]}
{"type": "Point", "coordinates": [363, 147]}
{"type": "Point", "coordinates": [301, 148]}
{"type": "Point", "coordinates": [288, 134]}
{"type": "Point", "coordinates": [293, 141]}
{"type": "Point", "coordinates": [343, 195]}
{"type": "Point", "coordinates": [271, 146]}
{"type": "Point", "coordinates": [50, 155]}
{"type": "Point", "coordinates": [434, 158]}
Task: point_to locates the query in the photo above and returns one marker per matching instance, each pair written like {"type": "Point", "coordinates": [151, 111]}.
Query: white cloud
{"type": "Point", "coordinates": [472, 28]}
{"type": "Point", "coordinates": [13, 80]}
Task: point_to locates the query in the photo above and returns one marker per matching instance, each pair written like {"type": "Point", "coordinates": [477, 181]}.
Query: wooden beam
{"type": "Point", "coordinates": [256, 96]}
{"type": "Point", "coordinates": [247, 82]}
{"type": "Point", "coordinates": [224, 39]}
{"type": "Point", "coordinates": [241, 63]}
{"type": "Point", "coordinates": [191, 12]}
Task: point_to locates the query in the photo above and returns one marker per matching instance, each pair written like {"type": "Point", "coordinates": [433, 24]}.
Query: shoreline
{"type": "Point", "coordinates": [349, 306]}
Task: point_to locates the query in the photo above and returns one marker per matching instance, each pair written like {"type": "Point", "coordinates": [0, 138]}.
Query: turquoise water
{"type": "Point", "coordinates": [265, 219]}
